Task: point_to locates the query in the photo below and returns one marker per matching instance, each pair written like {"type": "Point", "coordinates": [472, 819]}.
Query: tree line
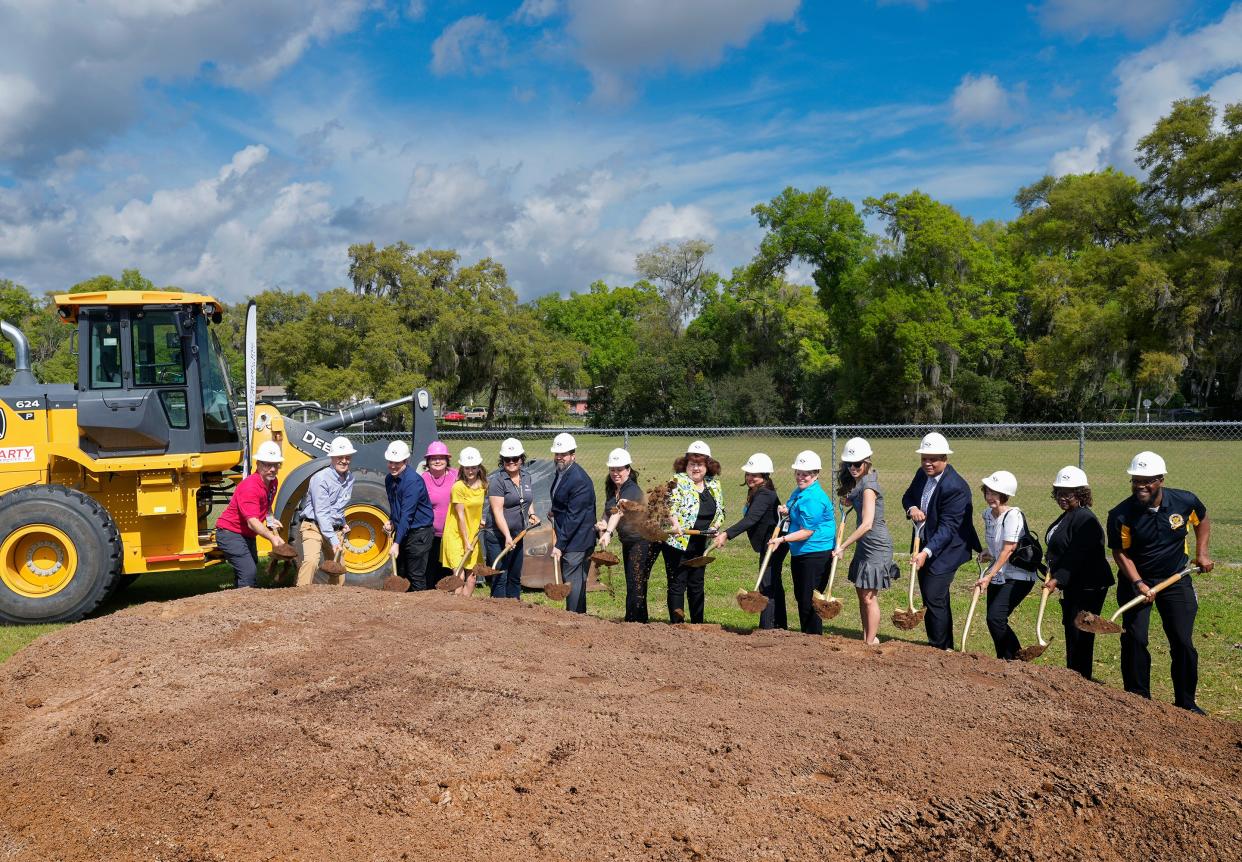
{"type": "Point", "coordinates": [1104, 292]}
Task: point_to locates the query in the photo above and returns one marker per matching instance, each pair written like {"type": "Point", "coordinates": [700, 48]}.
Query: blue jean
{"type": "Point", "coordinates": [508, 584]}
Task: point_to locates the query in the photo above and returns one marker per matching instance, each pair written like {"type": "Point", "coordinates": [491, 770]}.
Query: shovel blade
{"type": "Point", "coordinates": [697, 562]}
{"type": "Point", "coordinates": [482, 571]}
{"type": "Point", "coordinates": [1031, 652]}
{"type": "Point", "coordinates": [906, 619]}
{"type": "Point", "coordinates": [448, 583]}
{"type": "Point", "coordinates": [284, 550]}
{"type": "Point", "coordinates": [604, 558]}
{"type": "Point", "coordinates": [751, 601]}
{"type": "Point", "coordinates": [557, 592]}
{"type": "Point", "coordinates": [826, 608]}
{"type": "Point", "coordinates": [394, 584]}
{"type": "Point", "coordinates": [1089, 622]}
{"type": "Point", "coordinates": [332, 567]}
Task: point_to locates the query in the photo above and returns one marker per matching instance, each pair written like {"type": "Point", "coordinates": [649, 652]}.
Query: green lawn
{"type": "Point", "coordinates": [1218, 631]}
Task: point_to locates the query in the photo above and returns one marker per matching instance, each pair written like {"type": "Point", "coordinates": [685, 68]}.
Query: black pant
{"type": "Point", "coordinates": [638, 556]}
{"type": "Point", "coordinates": [1002, 599]}
{"type": "Point", "coordinates": [934, 587]}
{"type": "Point", "coordinates": [807, 571]}
{"type": "Point", "coordinates": [435, 571]}
{"type": "Point", "coordinates": [412, 558]}
{"type": "Point", "coordinates": [772, 585]}
{"type": "Point", "coordinates": [684, 581]}
{"type": "Point", "coordinates": [1177, 605]}
{"type": "Point", "coordinates": [1080, 645]}
{"type": "Point", "coordinates": [242, 554]}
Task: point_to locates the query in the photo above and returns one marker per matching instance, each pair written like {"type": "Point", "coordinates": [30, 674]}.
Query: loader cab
{"type": "Point", "coordinates": [151, 375]}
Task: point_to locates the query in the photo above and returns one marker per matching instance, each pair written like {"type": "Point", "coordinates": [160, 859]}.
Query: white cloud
{"type": "Point", "coordinates": [536, 11]}
{"type": "Point", "coordinates": [1090, 157]}
{"type": "Point", "coordinates": [88, 66]}
{"type": "Point", "coordinates": [1180, 66]}
{"type": "Point", "coordinates": [614, 40]}
{"type": "Point", "coordinates": [980, 100]}
{"type": "Point", "coordinates": [1082, 18]}
{"type": "Point", "coordinates": [472, 44]}
{"type": "Point", "coordinates": [669, 223]}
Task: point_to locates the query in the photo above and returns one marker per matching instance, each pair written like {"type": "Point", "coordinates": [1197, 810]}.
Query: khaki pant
{"type": "Point", "coordinates": [314, 549]}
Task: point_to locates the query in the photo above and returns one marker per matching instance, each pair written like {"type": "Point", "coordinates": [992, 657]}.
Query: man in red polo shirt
{"type": "Point", "coordinates": [249, 514]}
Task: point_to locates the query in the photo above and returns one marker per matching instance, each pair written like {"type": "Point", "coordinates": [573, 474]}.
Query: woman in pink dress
{"type": "Point", "coordinates": [439, 477]}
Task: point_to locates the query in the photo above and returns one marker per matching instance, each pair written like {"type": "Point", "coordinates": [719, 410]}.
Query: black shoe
{"type": "Point", "coordinates": [1195, 708]}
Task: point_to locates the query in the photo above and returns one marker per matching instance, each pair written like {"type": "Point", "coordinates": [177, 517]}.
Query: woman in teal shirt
{"type": "Point", "coordinates": [811, 537]}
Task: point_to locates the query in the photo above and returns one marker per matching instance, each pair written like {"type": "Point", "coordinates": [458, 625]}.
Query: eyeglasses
{"type": "Point", "coordinates": [517, 460]}
{"type": "Point", "coordinates": [1145, 481]}
{"type": "Point", "coordinates": [854, 465]}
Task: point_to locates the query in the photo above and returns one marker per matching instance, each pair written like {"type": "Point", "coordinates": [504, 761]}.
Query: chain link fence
{"type": "Point", "coordinates": [1203, 457]}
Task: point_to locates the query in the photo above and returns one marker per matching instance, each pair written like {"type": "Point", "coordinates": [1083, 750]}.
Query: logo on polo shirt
{"type": "Point", "coordinates": [1176, 521]}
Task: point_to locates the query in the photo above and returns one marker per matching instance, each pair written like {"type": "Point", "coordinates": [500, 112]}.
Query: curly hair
{"type": "Point", "coordinates": [713, 466]}
{"type": "Point", "coordinates": [1082, 495]}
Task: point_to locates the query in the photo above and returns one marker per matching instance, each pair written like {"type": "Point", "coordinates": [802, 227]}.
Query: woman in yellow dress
{"type": "Point", "coordinates": [465, 515]}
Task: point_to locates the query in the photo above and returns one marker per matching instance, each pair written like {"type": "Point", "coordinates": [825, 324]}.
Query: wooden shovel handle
{"type": "Point", "coordinates": [1039, 620]}
{"type": "Point", "coordinates": [1158, 588]}
{"type": "Point", "coordinates": [970, 615]}
{"type": "Point", "coordinates": [832, 569]}
{"type": "Point", "coordinates": [767, 556]}
{"type": "Point", "coordinates": [466, 554]}
{"type": "Point", "coordinates": [914, 570]}
{"type": "Point", "coordinates": [505, 549]}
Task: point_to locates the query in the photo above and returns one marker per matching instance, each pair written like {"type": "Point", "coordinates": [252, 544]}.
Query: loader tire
{"type": "Point", "coordinates": [60, 555]}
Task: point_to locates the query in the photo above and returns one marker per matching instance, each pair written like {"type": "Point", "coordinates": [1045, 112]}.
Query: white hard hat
{"type": "Point", "coordinates": [1070, 477]}
{"type": "Point", "coordinates": [1002, 482]}
{"type": "Point", "coordinates": [398, 450]}
{"type": "Point", "coordinates": [269, 453]}
{"type": "Point", "coordinates": [340, 446]}
{"type": "Point", "coordinates": [758, 463]}
{"type": "Point", "coordinates": [807, 461]}
{"type": "Point", "coordinates": [511, 447]}
{"type": "Point", "coordinates": [470, 457]}
{"type": "Point", "coordinates": [619, 458]}
{"type": "Point", "coordinates": [1147, 464]}
{"type": "Point", "coordinates": [934, 444]}
{"type": "Point", "coordinates": [856, 449]}
{"type": "Point", "coordinates": [698, 447]}
{"type": "Point", "coordinates": [563, 443]}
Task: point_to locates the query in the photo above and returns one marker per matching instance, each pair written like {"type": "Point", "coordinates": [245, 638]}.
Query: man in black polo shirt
{"type": "Point", "coordinates": [1148, 533]}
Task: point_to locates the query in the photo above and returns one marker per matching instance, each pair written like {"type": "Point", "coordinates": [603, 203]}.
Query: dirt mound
{"type": "Point", "coordinates": [350, 724]}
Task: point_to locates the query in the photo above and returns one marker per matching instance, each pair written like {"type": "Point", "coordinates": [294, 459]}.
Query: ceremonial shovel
{"type": "Point", "coordinates": [755, 602]}
{"type": "Point", "coordinates": [1089, 622]}
{"type": "Point", "coordinates": [907, 618]}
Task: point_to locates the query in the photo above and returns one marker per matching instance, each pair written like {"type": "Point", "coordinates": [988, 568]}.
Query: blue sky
{"type": "Point", "coordinates": [230, 146]}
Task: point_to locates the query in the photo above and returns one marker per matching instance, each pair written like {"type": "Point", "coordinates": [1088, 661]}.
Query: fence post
{"type": "Point", "coordinates": [627, 439]}
{"type": "Point", "coordinates": [1082, 445]}
{"type": "Point", "coordinates": [832, 482]}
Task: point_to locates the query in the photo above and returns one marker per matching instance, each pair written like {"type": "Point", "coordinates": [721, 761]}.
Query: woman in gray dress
{"type": "Point", "coordinates": [872, 568]}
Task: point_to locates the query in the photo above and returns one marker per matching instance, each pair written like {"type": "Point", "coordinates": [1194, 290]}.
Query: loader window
{"type": "Point", "coordinates": [157, 349]}
{"type": "Point", "coordinates": [218, 425]}
{"type": "Point", "coordinates": [105, 369]}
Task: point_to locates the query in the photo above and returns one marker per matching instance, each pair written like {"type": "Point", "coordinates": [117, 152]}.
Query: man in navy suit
{"type": "Point", "coordinates": [939, 500]}
{"type": "Point", "coordinates": [573, 517]}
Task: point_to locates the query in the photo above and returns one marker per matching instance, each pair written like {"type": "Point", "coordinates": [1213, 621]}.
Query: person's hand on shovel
{"type": "Point", "coordinates": [556, 552]}
{"type": "Point", "coordinates": [920, 559]}
{"type": "Point", "coordinates": [720, 541]}
{"type": "Point", "coordinates": [1204, 562]}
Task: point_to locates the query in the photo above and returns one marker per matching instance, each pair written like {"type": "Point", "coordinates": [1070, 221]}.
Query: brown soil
{"type": "Point", "coordinates": [334, 724]}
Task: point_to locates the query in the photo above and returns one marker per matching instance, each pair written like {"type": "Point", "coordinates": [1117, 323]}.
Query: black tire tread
{"type": "Point", "coordinates": [93, 511]}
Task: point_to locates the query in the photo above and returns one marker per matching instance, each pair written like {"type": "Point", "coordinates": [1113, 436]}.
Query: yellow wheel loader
{"type": "Point", "coordinates": [125, 472]}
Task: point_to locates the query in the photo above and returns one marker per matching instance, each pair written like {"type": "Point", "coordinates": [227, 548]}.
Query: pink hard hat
{"type": "Point", "coordinates": [437, 448]}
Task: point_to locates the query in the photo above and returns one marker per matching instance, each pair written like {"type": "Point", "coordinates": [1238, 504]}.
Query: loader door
{"type": "Point", "coordinates": [143, 387]}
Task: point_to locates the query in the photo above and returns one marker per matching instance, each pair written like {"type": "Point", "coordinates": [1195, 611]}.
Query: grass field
{"type": "Point", "coordinates": [1206, 468]}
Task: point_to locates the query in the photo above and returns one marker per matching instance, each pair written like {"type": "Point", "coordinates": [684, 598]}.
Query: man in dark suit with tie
{"type": "Point", "coordinates": [573, 516]}
{"type": "Point", "coordinates": [939, 500]}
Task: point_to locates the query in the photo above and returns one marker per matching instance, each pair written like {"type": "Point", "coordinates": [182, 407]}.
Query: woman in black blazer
{"type": "Point", "coordinates": [758, 521]}
{"type": "Point", "coordinates": [1077, 563]}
